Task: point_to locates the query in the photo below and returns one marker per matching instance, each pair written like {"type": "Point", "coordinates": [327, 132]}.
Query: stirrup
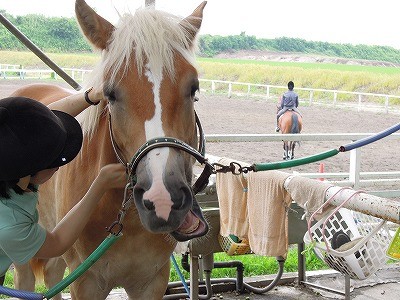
{"type": "Point", "coordinates": [277, 129]}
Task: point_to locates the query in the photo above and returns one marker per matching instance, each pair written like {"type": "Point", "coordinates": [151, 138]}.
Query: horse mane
{"type": "Point", "coordinates": [150, 37]}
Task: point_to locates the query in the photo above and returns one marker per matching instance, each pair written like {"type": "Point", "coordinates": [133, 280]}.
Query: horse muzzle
{"type": "Point", "coordinates": [175, 212]}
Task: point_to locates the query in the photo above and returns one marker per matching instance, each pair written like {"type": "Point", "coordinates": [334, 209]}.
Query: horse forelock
{"type": "Point", "coordinates": [151, 38]}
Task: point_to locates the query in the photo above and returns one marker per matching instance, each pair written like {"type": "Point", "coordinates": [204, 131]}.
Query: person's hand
{"type": "Point", "coordinates": [113, 176]}
{"type": "Point", "coordinates": [96, 95]}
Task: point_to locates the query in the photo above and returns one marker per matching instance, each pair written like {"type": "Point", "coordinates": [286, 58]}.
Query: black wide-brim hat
{"type": "Point", "coordinates": [34, 138]}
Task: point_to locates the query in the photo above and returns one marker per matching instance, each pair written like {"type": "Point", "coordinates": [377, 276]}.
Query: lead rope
{"type": "Point", "coordinates": [117, 226]}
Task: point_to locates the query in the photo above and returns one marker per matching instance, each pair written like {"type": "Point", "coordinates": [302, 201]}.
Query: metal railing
{"type": "Point", "coordinates": [353, 177]}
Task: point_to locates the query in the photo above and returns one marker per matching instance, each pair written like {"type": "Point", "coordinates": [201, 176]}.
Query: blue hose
{"type": "Point", "coordinates": [20, 294]}
{"type": "Point", "coordinates": [180, 275]}
{"type": "Point", "coordinates": [370, 139]}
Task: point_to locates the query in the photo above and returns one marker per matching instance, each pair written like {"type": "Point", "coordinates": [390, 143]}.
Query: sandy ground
{"type": "Point", "coordinates": [299, 57]}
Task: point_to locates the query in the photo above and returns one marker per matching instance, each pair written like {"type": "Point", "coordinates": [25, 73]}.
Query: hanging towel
{"type": "Point", "coordinates": [268, 204]}
{"type": "Point", "coordinates": [232, 197]}
{"type": "Point", "coordinates": [309, 194]}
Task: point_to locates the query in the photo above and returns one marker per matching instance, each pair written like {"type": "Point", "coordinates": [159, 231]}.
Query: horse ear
{"type": "Point", "coordinates": [96, 29]}
{"type": "Point", "coordinates": [192, 23]}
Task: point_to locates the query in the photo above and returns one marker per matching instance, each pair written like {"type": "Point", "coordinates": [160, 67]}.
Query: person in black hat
{"type": "Point", "coordinates": [290, 100]}
{"type": "Point", "coordinates": [34, 142]}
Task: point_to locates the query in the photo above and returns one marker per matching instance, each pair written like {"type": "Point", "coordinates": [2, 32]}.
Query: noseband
{"type": "Point", "coordinates": [171, 142]}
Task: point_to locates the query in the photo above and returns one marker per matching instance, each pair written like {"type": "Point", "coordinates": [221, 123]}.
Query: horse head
{"type": "Point", "coordinates": [148, 76]}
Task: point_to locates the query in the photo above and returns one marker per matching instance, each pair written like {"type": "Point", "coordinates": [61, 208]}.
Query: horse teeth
{"type": "Point", "coordinates": [192, 228]}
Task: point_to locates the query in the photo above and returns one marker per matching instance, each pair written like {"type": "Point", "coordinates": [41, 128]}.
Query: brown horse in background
{"type": "Point", "coordinates": [147, 74]}
{"type": "Point", "coordinates": [290, 122]}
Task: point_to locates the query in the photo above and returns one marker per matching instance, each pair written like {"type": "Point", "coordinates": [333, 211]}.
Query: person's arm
{"type": "Point", "coordinates": [70, 227]}
{"type": "Point", "coordinates": [76, 103]}
{"type": "Point", "coordinates": [297, 101]}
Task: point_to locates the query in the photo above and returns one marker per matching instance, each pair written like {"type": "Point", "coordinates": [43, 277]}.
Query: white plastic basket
{"type": "Point", "coordinates": [365, 255]}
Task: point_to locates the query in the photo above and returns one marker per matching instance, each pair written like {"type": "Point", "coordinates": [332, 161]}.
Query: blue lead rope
{"type": "Point", "coordinates": [180, 275]}
{"type": "Point", "coordinates": [370, 139]}
{"type": "Point", "coordinates": [20, 294]}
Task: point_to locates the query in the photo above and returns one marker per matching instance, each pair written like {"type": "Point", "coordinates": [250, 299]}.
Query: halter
{"type": "Point", "coordinates": [171, 142]}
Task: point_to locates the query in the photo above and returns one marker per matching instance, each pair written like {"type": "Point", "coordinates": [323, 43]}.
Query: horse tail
{"type": "Point", "coordinates": [295, 124]}
{"type": "Point", "coordinates": [37, 267]}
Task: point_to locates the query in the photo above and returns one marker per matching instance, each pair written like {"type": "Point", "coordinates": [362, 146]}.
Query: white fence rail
{"type": "Point", "coordinates": [360, 101]}
{"type": "Point", "coordinates": [17, 71]}
{"type": "Point", "coordinates": [353, 178]}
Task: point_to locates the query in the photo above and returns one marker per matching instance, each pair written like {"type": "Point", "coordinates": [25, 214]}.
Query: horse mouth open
{"type": "Point", "coordinates": [184, 219]}
{"type": "Point", "coordinates": [192, 227]}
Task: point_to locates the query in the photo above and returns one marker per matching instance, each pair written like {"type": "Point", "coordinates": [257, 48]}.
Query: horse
{"type": "Point", "coordinates": [290, 122]}
{"type": "Point", "coordinates": [148, 75]}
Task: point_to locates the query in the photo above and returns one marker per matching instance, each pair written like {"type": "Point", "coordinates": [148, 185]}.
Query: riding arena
{"type": "Point", "coordinates": [205, 174]}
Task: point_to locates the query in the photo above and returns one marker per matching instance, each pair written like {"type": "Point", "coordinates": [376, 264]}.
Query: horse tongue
{"type": "Point", "coordinates": [190, 224]}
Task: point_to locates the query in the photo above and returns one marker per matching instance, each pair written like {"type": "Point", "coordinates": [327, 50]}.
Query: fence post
{"type": "Point", "coordinates": [248, 90]}
{"type": "Point", "coordinates": [387, 104]}
{"type": "Point", "coordinates": [213, 87]}
{"type": "Point", "coordinates": [311, 97]}
{"type": "Point", "coordinates": [334, 98]}
{"type": "Point", "coordinates": [355, 166]}
{"type": "Point", "coordinates": [230, 89]}
{"type": "Point", "coordinates": [267, 92]}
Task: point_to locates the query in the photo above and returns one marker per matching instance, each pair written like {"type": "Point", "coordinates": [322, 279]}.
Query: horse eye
{"type": "Point", "coordinates": [110, 95]}
{"type": "Point", "coordinates": [194, 89]}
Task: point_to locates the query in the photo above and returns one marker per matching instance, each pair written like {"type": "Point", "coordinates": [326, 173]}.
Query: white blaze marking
{"type": "Point", "coordinates": [157, 158]}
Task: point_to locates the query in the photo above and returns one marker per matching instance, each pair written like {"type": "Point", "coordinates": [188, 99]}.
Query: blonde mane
{"type": "Point", "coordinates": [149, 36]}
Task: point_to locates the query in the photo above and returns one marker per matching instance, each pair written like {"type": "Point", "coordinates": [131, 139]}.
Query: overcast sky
{"type": "Point", "coordinates": [368, 22]}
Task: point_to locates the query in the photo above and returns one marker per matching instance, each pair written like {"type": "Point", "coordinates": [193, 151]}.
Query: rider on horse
{"type": "Point", "coordinates": [289, 101]}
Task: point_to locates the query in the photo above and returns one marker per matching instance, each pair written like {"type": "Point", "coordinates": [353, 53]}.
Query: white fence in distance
{"type": "Point", "coordinates": [357, 100]}
{"type": "Point", "coordinates": [17, 71]}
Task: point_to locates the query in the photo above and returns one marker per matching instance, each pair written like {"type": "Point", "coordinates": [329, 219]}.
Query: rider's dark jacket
{"type": "Point", "coordinates": [290, 100]}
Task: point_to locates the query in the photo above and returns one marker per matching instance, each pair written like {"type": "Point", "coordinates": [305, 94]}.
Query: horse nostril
{"type": "Point", "coordinates": [148, 204]}
{"type": "Point", "coordinates": [185, 198]}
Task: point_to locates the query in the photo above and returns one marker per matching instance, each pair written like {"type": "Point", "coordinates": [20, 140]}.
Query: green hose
{"type": "Point", "coordinates": [86, 264]}
{"type": "Point", "coordinates": [294, 162]}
